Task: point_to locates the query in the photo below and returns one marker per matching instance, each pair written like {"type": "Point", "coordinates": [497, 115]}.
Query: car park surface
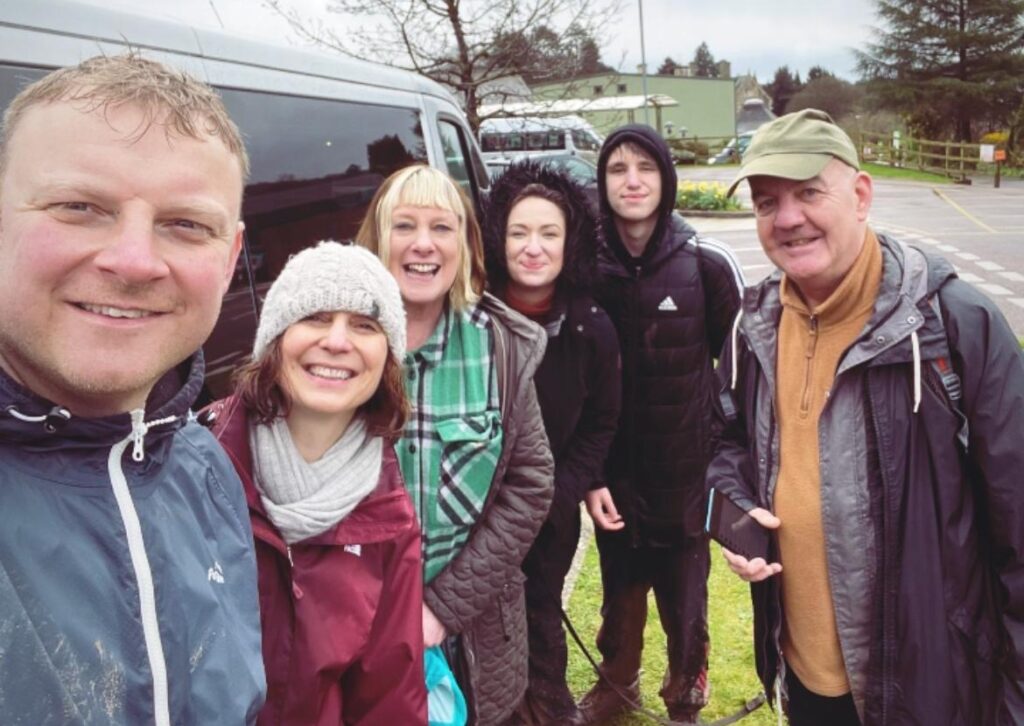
{"type": "Point", "coordinates": [977, 228]}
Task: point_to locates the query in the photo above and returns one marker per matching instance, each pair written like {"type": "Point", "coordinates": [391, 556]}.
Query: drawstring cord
{"type": "Point", "coordinates": [57, 416]}
{"type": "Point", "coordinates": [52, 421]}
{"type": "Point", "coordinates": [735, 346]}
{"type": "Point", "coordinates": [916, 347]}
{"type": "Point", "coordinates": [139, 430]}
{"type": "Point", "coordinates": [778, 697]}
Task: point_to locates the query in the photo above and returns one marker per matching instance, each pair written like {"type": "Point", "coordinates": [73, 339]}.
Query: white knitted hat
{"type": "Point", "coordinates": [328, 278]}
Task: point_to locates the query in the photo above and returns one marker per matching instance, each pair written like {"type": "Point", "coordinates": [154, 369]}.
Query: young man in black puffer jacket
{"type": "Point", "coordinates": [672, 296]}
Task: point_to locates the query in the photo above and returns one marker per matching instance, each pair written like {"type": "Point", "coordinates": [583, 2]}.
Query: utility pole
{"type": "Point", "coordinates": [643, 63]}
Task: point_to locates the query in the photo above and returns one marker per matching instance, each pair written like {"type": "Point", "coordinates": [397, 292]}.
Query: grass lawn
{"type": "Point", "coordinates": [733, 680]}
{"type": "Point", "coordinates": [880, 171]}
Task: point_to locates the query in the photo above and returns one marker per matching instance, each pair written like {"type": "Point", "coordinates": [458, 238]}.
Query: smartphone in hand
{"type": "Point", "coordinates": [729, 525]}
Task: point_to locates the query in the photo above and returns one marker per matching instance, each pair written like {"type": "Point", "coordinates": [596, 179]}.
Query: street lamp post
{"type": "Point", "coordinates": [643, 62]}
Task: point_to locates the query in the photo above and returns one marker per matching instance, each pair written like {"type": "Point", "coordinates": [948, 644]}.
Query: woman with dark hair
{"type": "Point", "coordinates": [474, 454]}
{"type": "Point", "coordinates": [541, 246]}
{"type": "Point", "coordinates": [310, 430]}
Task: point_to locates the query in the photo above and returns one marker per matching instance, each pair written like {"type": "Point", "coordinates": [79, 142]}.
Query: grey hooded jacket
{"type": "Point", "coordinates": [127, 576]}
{"type": "Point", "coordinates": [924, 537]}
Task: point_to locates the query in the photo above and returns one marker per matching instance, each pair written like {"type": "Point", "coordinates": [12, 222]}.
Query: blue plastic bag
{"type": "Point", "coordinates": [446, 706]}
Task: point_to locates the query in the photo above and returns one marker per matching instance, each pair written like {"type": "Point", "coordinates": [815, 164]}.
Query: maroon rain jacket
{"type": "Point", "coordinates": [341, 612]}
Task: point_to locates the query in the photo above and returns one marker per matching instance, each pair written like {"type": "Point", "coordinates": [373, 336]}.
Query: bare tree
{"type": "Point", "coordinates": [458, 43]}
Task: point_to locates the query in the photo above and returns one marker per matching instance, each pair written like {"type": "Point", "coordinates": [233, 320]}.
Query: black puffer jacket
{"type": "Point", "coordinates": [672, 309]}
{"type": "Point", "coordinates": [578, 380]}
{"type": "Point", "coordinates": [578, 387]}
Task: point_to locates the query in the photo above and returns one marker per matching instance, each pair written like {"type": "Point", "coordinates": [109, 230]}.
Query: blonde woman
{"type": "Point", "coordinates": [474, 454]}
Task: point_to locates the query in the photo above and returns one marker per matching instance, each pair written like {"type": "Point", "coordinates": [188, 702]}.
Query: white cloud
{"type": "Point", "coordinates": [752, 34]}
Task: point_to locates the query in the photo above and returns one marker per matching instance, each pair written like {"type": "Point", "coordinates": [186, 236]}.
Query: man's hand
{"type": "Point", "coordinates": [433, 631]}
{"type": "Point", "coordinates": [756, 569]}
{"type": "Point", "coordinates": [601, 508]}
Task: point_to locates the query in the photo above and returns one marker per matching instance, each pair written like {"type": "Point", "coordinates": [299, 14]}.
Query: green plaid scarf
{"type": "Point", "coordinates": [451, 444]}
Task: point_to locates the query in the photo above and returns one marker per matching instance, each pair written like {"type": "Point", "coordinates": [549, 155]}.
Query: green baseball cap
{"type": "Point", "coordinates": [796, 146]}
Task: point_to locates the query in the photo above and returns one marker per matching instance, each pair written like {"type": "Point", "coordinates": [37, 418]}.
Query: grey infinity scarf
{"type": "Point", "coordinates": [304, 499]}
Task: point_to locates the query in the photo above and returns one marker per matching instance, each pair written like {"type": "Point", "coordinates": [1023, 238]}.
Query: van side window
{"type": "Point", "coordinates": [315, 165]}
{"type": "Point", "coordinates": [584, 140]}
{"type": "Point", "coordinates": [13, 79]}
{"type": "Point", "coordinates": [460, 157]}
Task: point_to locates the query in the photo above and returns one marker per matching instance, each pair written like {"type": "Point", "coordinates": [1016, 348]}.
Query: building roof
{"type": "Point", "coordinates": [565, 106]}
{"type": "Point", "coordinates": [526, 124]}
{"type": "Point", "coordinates": [753, 114]}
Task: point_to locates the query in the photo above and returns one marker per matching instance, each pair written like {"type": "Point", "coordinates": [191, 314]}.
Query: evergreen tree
{"type": "Point", "coordinates": [947, 64]}
{"type": "Point", "coordinates": [817, 72]}
{"type": "Point", "coordinates": [667, 67]}
{"type": "Point", "coordinates": [703, 63]}
{"type": "Point", "coordinates": [782, 88]}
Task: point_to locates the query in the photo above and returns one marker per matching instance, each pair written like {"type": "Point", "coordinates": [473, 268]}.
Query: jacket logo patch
{"type": "Point", "coordinates": [215, 573]}
{"type": "Point", "coordinates": [354, 549]}
{"type": "Point", "coordinates": [668, 304]}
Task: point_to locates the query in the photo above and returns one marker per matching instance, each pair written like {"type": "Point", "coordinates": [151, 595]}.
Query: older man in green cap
{"type": "Point", "coordinates": [873, 414]}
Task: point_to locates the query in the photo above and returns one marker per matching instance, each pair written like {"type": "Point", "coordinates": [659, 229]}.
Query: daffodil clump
{"type": "Point", "coordinates": [705, 196]}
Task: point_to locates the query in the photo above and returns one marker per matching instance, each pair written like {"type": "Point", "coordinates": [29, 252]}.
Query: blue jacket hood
{"type": "Point", "coordinates": [172, 396]}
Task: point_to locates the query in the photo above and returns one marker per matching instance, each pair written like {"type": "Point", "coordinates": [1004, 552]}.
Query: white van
{"type": "Point", "coordinates": [322, 132]}
{"type": "Point", "coordinates": [514, 137]}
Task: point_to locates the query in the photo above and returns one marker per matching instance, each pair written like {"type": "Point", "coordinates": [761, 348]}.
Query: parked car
{"type": "Point", "coordinates": [734, 150]}
{"type": "Point", "coordinates": [322, 132]}
{"type": "Point", "coordinates": [583, 171]}
{"type": "Point", "coordinates": [683, 156]}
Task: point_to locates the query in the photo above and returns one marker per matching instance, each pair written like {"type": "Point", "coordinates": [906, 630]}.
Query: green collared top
{"type": "Point", "coordinates": [451, 444]}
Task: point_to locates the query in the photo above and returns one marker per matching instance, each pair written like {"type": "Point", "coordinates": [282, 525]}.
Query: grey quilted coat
{"type": "Point", "coordinates": [479, 595]}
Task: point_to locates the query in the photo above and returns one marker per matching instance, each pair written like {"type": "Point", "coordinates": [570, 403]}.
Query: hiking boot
{"type": "Point", "coordinates": [573, 718]}
{"type": "Point", "coordinates": [687, 717]}
{"type": "Point", "coordinates": [605, 701]}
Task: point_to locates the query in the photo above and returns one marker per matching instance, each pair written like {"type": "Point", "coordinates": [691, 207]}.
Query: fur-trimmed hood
{"type": "Point", "coordinates": [582, 238]}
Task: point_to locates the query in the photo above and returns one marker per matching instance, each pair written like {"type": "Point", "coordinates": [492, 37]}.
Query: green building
{"type": "Point", "coordinates": [706, 106]}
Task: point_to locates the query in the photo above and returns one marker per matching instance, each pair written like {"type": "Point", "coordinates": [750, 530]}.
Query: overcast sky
{"type": "Point", "coordinates": [753, 35]}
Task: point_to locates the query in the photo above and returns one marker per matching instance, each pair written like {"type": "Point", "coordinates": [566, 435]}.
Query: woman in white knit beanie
{"type": "Point", "coordinates": [311, 430]}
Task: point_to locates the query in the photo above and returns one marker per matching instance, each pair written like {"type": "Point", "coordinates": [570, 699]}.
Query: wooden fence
{"type": "Point", "coordinates": [950, 158]}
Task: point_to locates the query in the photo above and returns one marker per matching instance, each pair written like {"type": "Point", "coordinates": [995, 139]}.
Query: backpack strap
{"type": "Point", "coordinates": [949, 381]}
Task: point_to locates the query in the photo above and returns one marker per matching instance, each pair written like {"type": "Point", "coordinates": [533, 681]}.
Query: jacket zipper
{"type": "Point", "coordinates": [812, 345]}
{"type": "Point", "coordinates": [888, 568]}
{"type": "Point", "coordinates": [776, 634]}
{"type": "Point", "coordinates": [143, 572]}
{"type": "Point", "coordinates": [296, 590]}
{"type": "Point", "coordinates": [780, 663]}
{"type": "Point", "coordinates": [634, 345]}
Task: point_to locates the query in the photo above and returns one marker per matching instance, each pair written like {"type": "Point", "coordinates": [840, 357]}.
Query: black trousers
{"type": "Point", "coordinates": [547, 698]}
{"type": "Point", "coordinates": [679, 577]}
{"type": "Point", "coordinates": [806, 708]}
